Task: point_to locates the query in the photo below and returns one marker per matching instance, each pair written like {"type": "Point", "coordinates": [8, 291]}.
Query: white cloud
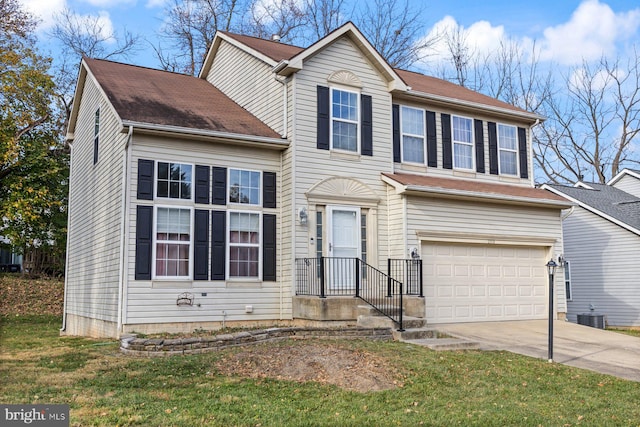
{"type": "Point", "coordinates": [44, 10]}
{"type": "Point", "coordinates": [105, 4]}
{"type": "Point", "coordinates": [593, 30]}
{"type": "Point", "coordinates": [155, 3]}
{"type": "Point", "coordinates": [102, 21]}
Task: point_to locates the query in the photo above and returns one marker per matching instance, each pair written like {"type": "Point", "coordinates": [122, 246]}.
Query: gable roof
{"type": "Point", "coordinates": [462, 188]}
{"type": "Point", "coordinates": [624, 172]}
{"type": "Point", "coordinates": [287, 59]}
{"type": "Point", "coordinates": [606, 201]}
{"type": "Point", "coordinates": [148, 97]}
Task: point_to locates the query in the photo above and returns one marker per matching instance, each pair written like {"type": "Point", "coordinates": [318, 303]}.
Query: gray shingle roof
{"type": "Point", "coordinates": [609, 200]}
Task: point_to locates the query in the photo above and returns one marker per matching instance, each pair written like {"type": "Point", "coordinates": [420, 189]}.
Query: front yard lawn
{"type": "Point", "coordinates": [105, 388]}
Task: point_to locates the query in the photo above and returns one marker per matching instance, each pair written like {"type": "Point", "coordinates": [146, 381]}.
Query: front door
{"type": "Point", "coordinates": [344, 245]}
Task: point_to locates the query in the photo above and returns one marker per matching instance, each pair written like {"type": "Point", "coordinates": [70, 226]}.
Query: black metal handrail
{"type": "Point", "coordinates": [335, 276]}
{"type": "Point", "coordinates": [409, 272]}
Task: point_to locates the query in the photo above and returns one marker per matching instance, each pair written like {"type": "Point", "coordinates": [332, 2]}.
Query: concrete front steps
{"type": "Point", "coordinates": [415, 331]}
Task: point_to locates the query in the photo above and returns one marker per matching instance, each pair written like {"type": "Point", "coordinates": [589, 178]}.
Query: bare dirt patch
{"type": "Point", "coordinates": [325, 363]}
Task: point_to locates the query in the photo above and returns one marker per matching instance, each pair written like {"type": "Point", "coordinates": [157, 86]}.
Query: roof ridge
{"type": "Point", "coordinates": [231, 34]}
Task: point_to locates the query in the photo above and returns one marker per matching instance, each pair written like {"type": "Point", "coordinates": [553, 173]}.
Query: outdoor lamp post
{"type": "Point", "coordinates": [551, 269]}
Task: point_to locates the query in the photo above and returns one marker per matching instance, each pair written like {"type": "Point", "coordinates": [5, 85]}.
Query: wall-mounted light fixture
{"type": "Point", "coordinates": [303, 216]}
{"type": "Point", "coordinates": [414, 253]}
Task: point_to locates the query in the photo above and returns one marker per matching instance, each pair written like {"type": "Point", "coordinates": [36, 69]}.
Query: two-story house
{"type": "Point", "coordinates": [281, 175]}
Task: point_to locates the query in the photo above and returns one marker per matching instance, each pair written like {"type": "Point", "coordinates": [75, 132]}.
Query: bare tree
{"type": "Point", "coordinates": [395, 31]}
{"type": "Point", "coordinates": [324, 16]}
{"type": "Point", "coordinates": [190, 28]}
{"type": "Point", "coordinates": [283, 18]}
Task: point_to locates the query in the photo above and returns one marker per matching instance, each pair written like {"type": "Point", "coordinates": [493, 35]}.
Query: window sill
{"type": "Point", "coordinates": [242, 284]}
{"type": "Point", "coordinates": [464, 173]}
{"type": "Point", "coordinates": [512, 179]}
{"type": "Point", "coordinates": [172, 284]}
{"type": "Point", "coordinates": [413, 167]}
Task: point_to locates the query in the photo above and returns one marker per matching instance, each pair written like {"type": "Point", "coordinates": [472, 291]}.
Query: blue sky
{"type": "Point", "coordinates": [566, 31]}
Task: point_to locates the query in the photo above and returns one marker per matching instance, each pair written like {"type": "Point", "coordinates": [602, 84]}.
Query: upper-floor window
{"type": "Point", "coordinates": [96, 136]}
{"type": "Point", "coordinates": [412, 135]}
{"type": "Point", "coordinates": [174, 181]}
{"type": "Point", "coordinates": [344, 120]}
{"type": "Point", "coordinates": [173, 242]}
{"type": "Point", "coordinates": [508, 150]}
{"type": "Point", "coordinates": [462, 142]}
{"type": "Point", "coordinates": [244, 187]}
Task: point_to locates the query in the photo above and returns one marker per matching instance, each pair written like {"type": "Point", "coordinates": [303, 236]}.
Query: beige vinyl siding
{"type": "Point", "coordinates": [466, 219]}
{"type": "Point", "coordinates": [395, 235]}
{"type": "Point", "coordinates": [155, 301]}
{"type": "Point", "coordinates": [604, 268]}
{"type": "Point", "coordinates": [630, 184]}
{"type": "Point", "coordinates": [250, 83]}
{"type": "Point", "coordinates": [448, 173]}
{"type": "Point", "coordinates": [95, 212]}
{"type": "Point", "coordinates": [314, 165]}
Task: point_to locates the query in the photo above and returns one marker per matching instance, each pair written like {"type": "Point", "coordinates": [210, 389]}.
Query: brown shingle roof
{"type": "Point", "coordinates": [159, 97]}
{"type": "Point", "coordinates": [274, 50]}
{"type": "Point", "coordinates": [476, 187]}
{"type": "Point", "coordinates": [419, 82]}
{"type": "Point", "coordinates": [434, 86]}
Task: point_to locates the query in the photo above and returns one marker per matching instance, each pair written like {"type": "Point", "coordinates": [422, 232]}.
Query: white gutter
{"type": "Point", "coordinates": [63, 327]}
{"type": "Point", "coordinates": [122, 273]}
{"type": "Point", "coordinates": [264, 140]}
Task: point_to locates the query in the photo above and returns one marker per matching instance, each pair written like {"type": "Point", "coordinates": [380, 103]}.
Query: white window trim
{"type": "Point", "coordinates": [423, 136]}
{"type": "Point", "coordinates": [260, 190]}
{"type": "Point", "coordinates": [472, 144]}
{"type": "Point", "coordinates": [171, 199]}
{"type": "Point", "coordinates": [154, 243]}
{"type": "Point", "coordinates": [500, 172]}
{"type": "Point", "coordinates": [258, 278]}
{"type": "Point", "coordinates": [356, 122]}
{"type": "Point", "coordinates": [567, 272]}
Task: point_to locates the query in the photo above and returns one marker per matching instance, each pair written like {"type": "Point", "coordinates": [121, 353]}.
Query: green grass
{"type": "Point", "coordinates": [105, 388]}
{"type": "Point", "coordinates": [632, 332]}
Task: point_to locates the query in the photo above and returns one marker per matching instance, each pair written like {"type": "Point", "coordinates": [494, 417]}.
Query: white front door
{"type": "Point", "coordinates": [344, 245]}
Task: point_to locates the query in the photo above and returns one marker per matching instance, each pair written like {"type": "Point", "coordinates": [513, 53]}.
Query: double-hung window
{"type": "Point", "coordinates": [412, 135]}
{"type": "Point", "coordinates": [344, 120]}
{"type": "Point", "coordinates": [244, 187]}
{"type": "Point", "coordinates": [508, 150]}
{"type": "Point", "coordinates": [244, 244]}
{"type": "Point", "coordinates": [462, 142]}
{"type": "Point", "coordinates": [174, 181]}
{"type": "Point", "coordinates": [173, 243]}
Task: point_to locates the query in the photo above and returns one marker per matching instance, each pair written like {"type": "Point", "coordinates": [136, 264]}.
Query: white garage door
{"type": "Point", "coordinates": [476, 283]}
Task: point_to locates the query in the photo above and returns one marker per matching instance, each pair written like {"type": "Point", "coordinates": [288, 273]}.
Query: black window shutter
{"type": "Point", "coordinates": [432, 142]}
{"type": "Point", "coordinates": [269, 189]}
{"type": "Point", "coordinates": [479, 135]}
{"type": "Point", "coordinates": [493, 148]}
{"type": "Point", "coordinates": [145, 179]}
{"type": "Point", "coordinates": [447, 149]}
{"type": "Point", "coordinates": [202, 184]}
{"type": "Point", "coordinates": [219, 186]}
{"type": "Point", "coordinates": [144, 240]}
{"type": "Point", "coordinates": [201, 245]}
{"type": "Point", "coordinates": [395, 114]}
{"type": "Point", "coordinates": [522, 152]}
{"type": "Point", "coordinates": [366, 134]}
{"type": "Point", "coordinates": [218, 244]}
{"type": "Point", "coordinates": [269, 248]}
{"type": "Point", "coordinates": [323, 118]}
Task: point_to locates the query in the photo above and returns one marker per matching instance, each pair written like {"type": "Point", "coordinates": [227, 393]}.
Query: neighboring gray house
{"type": "Point", "coordinates": [601, 247]}
{"type": "Point", "coordinates": [229, 197]}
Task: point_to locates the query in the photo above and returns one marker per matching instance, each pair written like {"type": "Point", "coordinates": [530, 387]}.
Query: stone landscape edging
{"type": "Point", "coordinates": [159, 347]}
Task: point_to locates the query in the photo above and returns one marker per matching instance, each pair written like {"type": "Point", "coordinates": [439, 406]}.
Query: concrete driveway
{"type": "Point", "coordinates": [576, 345]}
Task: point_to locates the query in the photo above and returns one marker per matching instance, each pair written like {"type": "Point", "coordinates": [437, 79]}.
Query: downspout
{"type": "Point", "coordinates": [565, 216]}
{"type": "Point", "coordinates": [285, 104]}
{"type": "Point", "coordinates": [280, 244]}
{"type": "Point", "coordinates": [124, 228]}
{"type": "Point", "coordinates": [63, 328]}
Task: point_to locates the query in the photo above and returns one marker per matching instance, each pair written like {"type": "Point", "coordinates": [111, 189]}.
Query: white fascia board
{"type": "Point", "coordinates": [532, 117]}
{"type": "Point", "coordinates": [593, 210]}
{"type": "Point", "coordinates": [621, 174]}
{"type": "Point", "coordinates": [214, 49]}
{"type": "Point", "coordinates": [263, 141]}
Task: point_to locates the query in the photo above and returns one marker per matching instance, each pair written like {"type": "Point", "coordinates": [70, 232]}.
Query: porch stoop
{"type": "Point", "coordinates": [416, 331]}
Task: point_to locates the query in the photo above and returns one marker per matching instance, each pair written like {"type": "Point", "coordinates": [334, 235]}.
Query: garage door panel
{"type": "Point", "coordinates": [468, 283]}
